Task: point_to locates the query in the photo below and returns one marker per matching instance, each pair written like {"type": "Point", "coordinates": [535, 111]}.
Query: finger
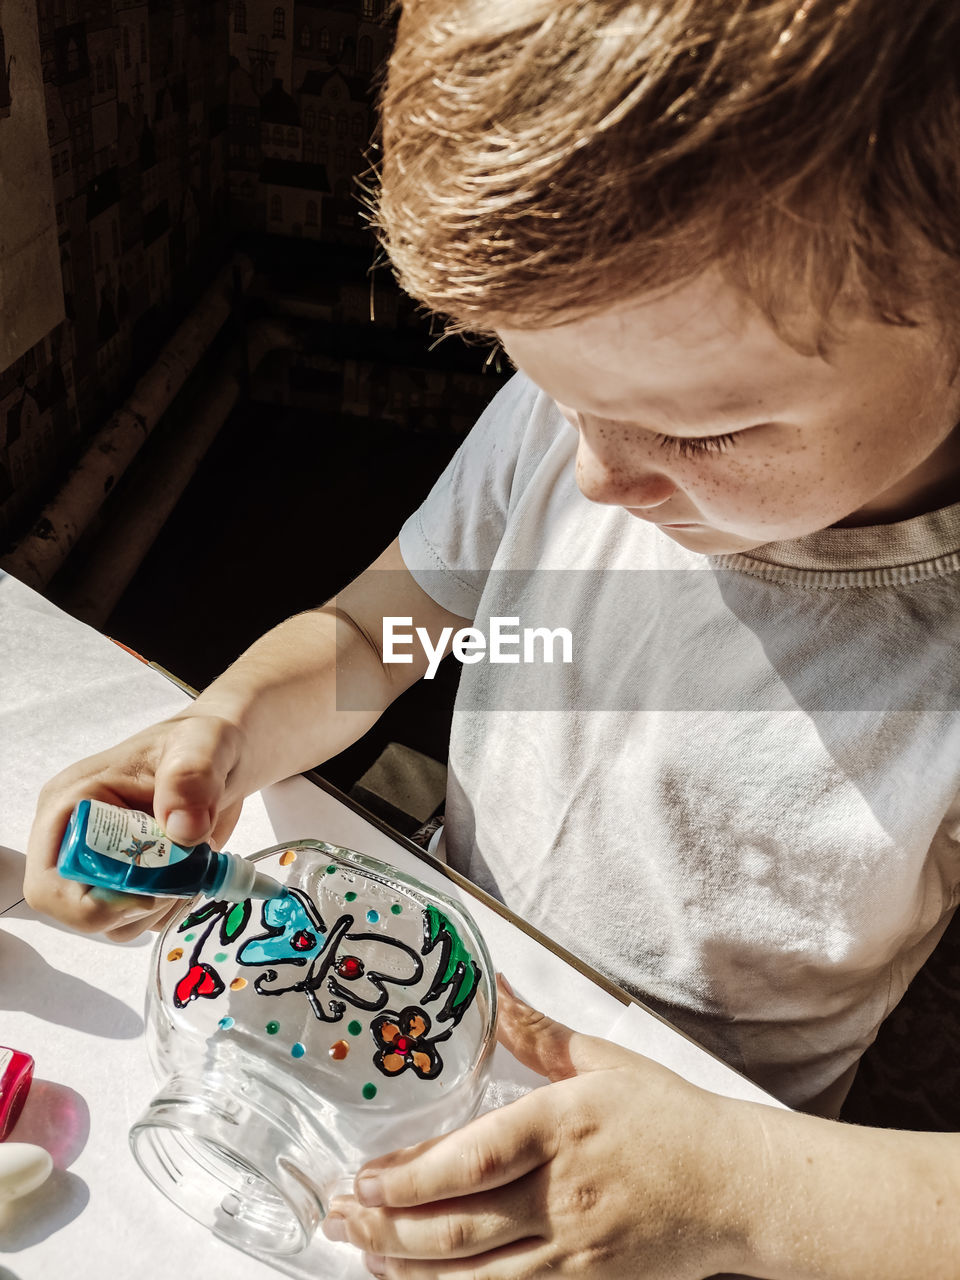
{"type": "Point", "coordinates": [69, 901]}
{"type": "Point", "coordinates": [121, 776]}
{"type": "Point", "coordinates": [172, 909]}
{"type": "Point", "coordinates": [155, 919]}
{"type": "Point", "coordinates": [226, 821]}
{"type": "Point", "coordinates": [524, 1260]}
{"type": "Point", "coordinates": [548, 1047]}
{"type": "Point", "coordinates": [117, 921]}
{"type": "Point", "coordinates": [198, 755]}
{"type": "Point", "coordinates": [59, 796]}
{"type": "Point", "coordinates": [125, 776]}
{"type": "Point", "coordinates": [457, 1228]}
{"type": "Point", "coordinates": [491, 1151]}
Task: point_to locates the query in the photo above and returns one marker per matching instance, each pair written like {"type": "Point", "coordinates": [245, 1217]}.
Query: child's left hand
{"type": "Point", "coordinates": [618, 1169]}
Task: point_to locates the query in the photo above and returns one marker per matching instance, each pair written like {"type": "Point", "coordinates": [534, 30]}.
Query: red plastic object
{"type": "Point", "coordinates": [16, 1072]}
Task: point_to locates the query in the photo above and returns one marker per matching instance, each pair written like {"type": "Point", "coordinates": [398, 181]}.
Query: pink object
{"type": "Point", "coordinates": [16, 1072]}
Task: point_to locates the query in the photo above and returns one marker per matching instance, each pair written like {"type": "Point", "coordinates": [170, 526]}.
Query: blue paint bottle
{"type": "Point", "coordinates": [125, 850]}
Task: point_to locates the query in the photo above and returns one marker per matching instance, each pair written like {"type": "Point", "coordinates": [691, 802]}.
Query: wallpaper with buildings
{"type": "Point", "coordinates": [178, 131]}
{"type": "Point", "coordinates": [136, 107]}
{"type": "Point", "coordinates": [31, 299]}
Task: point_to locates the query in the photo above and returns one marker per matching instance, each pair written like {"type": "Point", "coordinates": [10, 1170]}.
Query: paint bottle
{"type": "Point", "coordinates": [125, 850]}
{"type": "Point", "coordinates": [297, 1038]}
{"type": "Point", "coordinates": [16, 1072]}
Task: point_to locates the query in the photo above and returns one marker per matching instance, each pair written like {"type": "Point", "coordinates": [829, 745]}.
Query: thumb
{"type": "Point", "coordinates": [190, 787]}
{"type": "Point", "coordinates": [548, 1047]}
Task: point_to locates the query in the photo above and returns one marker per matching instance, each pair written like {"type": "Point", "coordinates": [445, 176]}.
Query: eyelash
{"type": "Point", "coordinates": [694, 447]}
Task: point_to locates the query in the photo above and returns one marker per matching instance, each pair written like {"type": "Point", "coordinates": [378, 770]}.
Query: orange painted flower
{"type": "Point", "coordinates": [402, 1042]}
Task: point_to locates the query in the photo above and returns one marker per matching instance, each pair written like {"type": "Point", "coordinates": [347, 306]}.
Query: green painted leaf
{"type": "Point", "coordinates": [236, 921]}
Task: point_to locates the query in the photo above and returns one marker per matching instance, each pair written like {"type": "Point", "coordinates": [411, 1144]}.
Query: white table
{"type": "Point", "coordinates": [75, 1002]}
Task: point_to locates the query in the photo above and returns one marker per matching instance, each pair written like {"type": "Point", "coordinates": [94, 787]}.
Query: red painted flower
{"type": "Point", "coordinates": [402, 1042]}
{"type": "Point", "coordinates": [199, 980]}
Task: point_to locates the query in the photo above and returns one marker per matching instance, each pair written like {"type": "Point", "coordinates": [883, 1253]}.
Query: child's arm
{"type": "Point", "coordinates": [620, 1168]}
{"type": "Point", "coordinates": [272, 714]}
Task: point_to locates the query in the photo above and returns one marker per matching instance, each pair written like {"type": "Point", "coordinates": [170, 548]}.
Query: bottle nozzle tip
{"type": "Point", "coordinates": [265, 887]}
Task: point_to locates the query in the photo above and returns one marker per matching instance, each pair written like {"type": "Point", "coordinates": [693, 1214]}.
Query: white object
{"type": "Point", "coordinates": [23, 1168]}
{"type": "Point", "coordinates": [65, 693]}
{"type": "Point", "coordinates": [741, 800]}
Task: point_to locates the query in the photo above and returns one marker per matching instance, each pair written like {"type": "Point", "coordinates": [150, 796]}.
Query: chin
{"type": "Point", "coordinates": [712, 542]}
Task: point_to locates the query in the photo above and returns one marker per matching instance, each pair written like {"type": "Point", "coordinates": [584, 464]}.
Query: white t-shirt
{"type": "Point", "coordinates": [739, 800]}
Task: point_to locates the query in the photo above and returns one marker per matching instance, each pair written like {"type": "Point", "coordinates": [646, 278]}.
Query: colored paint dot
{"type": "Point", "coordinates": [288, 856]}
{"type": "Point", "coordinates": [354, 1027]}
{"type": "Point", "coordinates": [339, 1050]}
{"type": "Point", "coordinates": [273, 1028]}
{"type": "Point", "coordinates": [373, 916]}
{"type": "Point", "coordinates": [189, 937]}
{"type": "Point", "coordinates": [402, 1044]}
{"type": "Point", "coordinates": [331, 870]}
{"type": "Point", "coordinates": [297, 1050]}
{"type": "Point", "coordinates": [225, 1023]}
{"type": "Point", "coordinates": [220, 957]}
{"type": "Point", "coordinates": [369, 1091]}
{"type": "Point", "coordinates": [349, 897]}
{"type": "Point", "coordinates": [396, 908]}
{"type": "Point", "coordinates": [175, 954]}
{"type": "Point", "coordinates": [238, 984]}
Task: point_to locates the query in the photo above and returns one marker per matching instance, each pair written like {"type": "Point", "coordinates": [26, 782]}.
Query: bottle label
{"type": "Point", "coordinates": [130, 836]}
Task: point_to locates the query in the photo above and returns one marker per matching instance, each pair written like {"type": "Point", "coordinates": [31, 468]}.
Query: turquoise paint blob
{"type": "Point", "coordinates": [125, 850]}
{"type": "Point", "coordinates": [297, 1051]}
{"type": "Point", "coordinates": [396, 908]}
{"type": "Point", "coordinates": [354, 1027]}
{"type": "Point", "coordinates": [189, 937]}
{"type": "Point", "coordinates": [220, 957]}
{"type": "Point", "coordinates": [373, 916]}
{"type": "Point", "coordinates": [225, 1023]}
{"type": "Point", "coordinates": [272, 1028]}
{"type": "Point", "coordinates": [369, 1091]}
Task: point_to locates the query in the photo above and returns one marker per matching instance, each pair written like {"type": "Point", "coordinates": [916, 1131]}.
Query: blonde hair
{"type": "Point", "coordinates": [544, 159]}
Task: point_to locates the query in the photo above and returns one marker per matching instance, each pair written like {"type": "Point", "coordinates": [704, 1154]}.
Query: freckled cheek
{"type": "Point", "coordinates": [719, 480]}
{"type": "Point", "coordinates": [732, 489]}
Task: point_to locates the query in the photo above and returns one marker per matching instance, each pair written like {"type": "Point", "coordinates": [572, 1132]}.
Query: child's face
{"type": "Point", "coordinates": [693, 414]}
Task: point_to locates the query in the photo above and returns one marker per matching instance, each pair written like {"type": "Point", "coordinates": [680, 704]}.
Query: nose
{"type": "Point", "coordinates": [619, 481]}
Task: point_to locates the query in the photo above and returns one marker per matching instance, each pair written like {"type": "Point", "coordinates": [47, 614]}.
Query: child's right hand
{"type": "Point", "coordinates": [180, 770]}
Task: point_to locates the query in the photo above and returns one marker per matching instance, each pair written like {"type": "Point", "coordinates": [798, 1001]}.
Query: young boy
{"type": "Point", "coordinates": [719, 242]}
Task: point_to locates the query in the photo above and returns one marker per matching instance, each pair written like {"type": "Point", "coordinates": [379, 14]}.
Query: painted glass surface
{"type": "Point", "coordinates": [346, 1018]}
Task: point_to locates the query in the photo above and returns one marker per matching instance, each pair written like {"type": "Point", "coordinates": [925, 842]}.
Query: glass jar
{"type": "Point", "coordinates": [299, 1037]}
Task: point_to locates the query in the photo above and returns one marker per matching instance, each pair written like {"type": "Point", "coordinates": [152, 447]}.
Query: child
{"type": "Point", "coordinates": [719, 242]}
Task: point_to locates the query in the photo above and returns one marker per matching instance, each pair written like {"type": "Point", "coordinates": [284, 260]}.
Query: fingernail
{"type": "Point", "coordinates": [335, 1227]}
{"type": "Point", "coordinates": [181, 825]}
{"type": "Point", "coordinates": [376, 1264]}
{"type": "Point", "coordinates": [369, 1190]}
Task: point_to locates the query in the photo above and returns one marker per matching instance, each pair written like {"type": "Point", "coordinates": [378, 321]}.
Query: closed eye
{"type": "Point", "coordinates": [693, 446]}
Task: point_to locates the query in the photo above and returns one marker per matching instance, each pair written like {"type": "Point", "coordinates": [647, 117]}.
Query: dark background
{"type": "Point", "coordinates": [261, 533]}
{"type": "Point", "coordinates": [181, 134]}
